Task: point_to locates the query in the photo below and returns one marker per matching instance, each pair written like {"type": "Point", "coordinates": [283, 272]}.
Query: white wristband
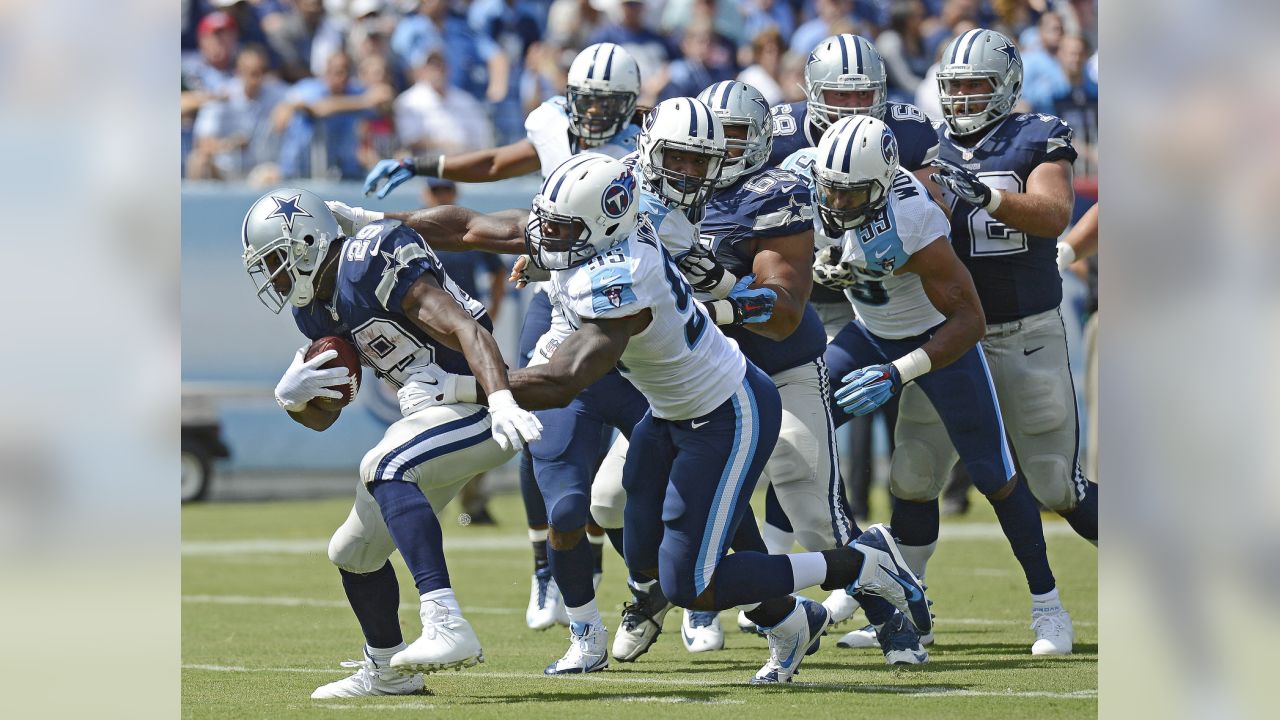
{"type": "Point", "coordinates": [465, 390]}
{"type": "Point", "coordinates": [913, 365]}
{"type": "Point", "coordinates": [725, 286]}
{"type": "Point", "coordinates": [996, 197]}
{"type": "Point", "coordinates": [440, 167]}
{"type": "Point", "coordinates": [296, 407]}
{"type": "Point", "coordinates": [1066, 256]}
{"type": "Point", "coordinates": [501, 400]}
{"type": "Point", "coordinates": [373, 216]}
{"type": "Point", "coordinates": [721, 311]}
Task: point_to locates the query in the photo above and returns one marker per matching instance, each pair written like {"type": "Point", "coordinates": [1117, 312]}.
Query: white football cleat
{"type": "Point", "coordinates": [863, 637]}
{"type": "Point", "coordinates": [370, 680]}
{"type": "Point", "coordinates": [588, 651]}
{"type": "Point", "coordinates": [840, 605]}
{"type": "Point", "coordinates": [641, 623]}
{"type": "Point", "coordinates": [1054, 632]}
{"type": "Point", "coordinates": [447, 642]}
{"type": "Point", "coordinates": [546, 607]}
{"type": "Point", "coordinates": [701, 631]}
{"type": "Point", "coordinates": [797, 636]}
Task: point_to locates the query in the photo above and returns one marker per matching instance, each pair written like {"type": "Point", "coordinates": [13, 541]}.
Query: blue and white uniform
{"type": "Point", "coordinates": [439, 448]}
{"type": "Point", "coordinates": [696, 455]}
{"type": "Point", "coordinates": [1017, 278]}
{"type": "Point", "coordinates": [803, 472]}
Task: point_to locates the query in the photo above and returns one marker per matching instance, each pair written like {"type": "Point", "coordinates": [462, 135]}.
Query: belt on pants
{"type": "Point", "coordinates": [1026, 323]}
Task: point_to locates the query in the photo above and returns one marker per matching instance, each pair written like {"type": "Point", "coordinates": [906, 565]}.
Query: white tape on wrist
{"type": "Point", "coordinates": [465, 390]}
{"type": "Point", "coordinates": [501, 400]}
{"type": "Point", "coordinates": [721, 311]}
{"type": "Point", "coordinates": [373, 216]}
{"type": "Point", "coordinates": [913, 365]}
{"type": "Point", "coordinates": [1066, 256]}
{"type": "Point", "coordinates": [996, 198]}
{"type": "Point", "coordinates": [725, 286]}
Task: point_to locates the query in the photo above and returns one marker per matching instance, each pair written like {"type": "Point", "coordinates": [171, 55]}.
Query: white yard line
{"type": "Point", "coordinates": [611, 679]}
{"type": "Point", "coordinates": [309, 546]}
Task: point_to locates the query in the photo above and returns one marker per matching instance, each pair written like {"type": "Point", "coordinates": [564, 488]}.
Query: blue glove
{"type": "Point", "coordinates": [964, 183]}
{"type": "Point", "coordinates": [751, 305]}
{"type": "Point", "coordinates": [868, 388]}
{"type": "Point", "coordinates": [395, 172]}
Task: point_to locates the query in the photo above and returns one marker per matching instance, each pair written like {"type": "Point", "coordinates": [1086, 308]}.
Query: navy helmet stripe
{"type": "Point", "coordinates": [844, 56]}
{"type": "Point", "coordinates": [972, 41]}
{"type": "Point", "coordinates": [608, 64]}
{"type": "Point", "coordinates": [831, 156]}
{"type": "Point", "coordinates": [966, 41]}
{"type": "Point", "coordinates": [693, 121]}
{"type": "Point", "coordinates": [857, 47]}
{"type": "Point", "coordinates": [711, 123]}
{"type": "Point", "coordinates": [591, 70]}
{"type": "Point", "coordinates": [564, 171]}
{"type": "Point", "coordinates": [726, 89]}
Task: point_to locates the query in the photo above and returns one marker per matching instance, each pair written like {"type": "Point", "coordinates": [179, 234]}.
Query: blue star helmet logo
{"type": "Point", "coordinates": [287, 209]}
{"type": "Point", "coordinates": [1011, 55]}
{"type": "Point", "coordinates": [762, 103]}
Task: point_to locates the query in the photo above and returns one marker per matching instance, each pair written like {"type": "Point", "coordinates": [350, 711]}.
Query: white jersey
{"type": "Point", "coordinates": [681, 362]}
{"type": "Point", "coordinates": [547, 127]}
{"type": "Point", "coordinates": [891, 306]}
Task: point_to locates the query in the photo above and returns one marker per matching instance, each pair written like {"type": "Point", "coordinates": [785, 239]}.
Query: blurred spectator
{"type": "Point", "coordinates": [377, 132]}
{"type": "Point", "coordinates": [330, 37]}
{"type": "Point", "coordinates": [249, 21]}
{"type": "Point", "coordinates": [724, 17]}
{"type": "Point", "coordinates": [435, 115]}
{"type": "Point", "coordinates": [830, 14]}
{"type": "Point", "coordinates": [1077, 102]}
{"type": "Point", "coordinates": [902, 48]}
{"type": "Point", "coordinates": [477, 65]}
{"type": "Point", "coordinates": [955, 15]}
{"type": "Point", "coordinates": [793, 76]}
{"type": "Point", "coordinates": [234, 135]}
{"type": "Point", "coordinates": [545, 73]}
{"type": "Point", "coordinates": [1042, 76]}
{"type": "Point", "coordinates": [370, 36]}
{"type": "Point", "coordinates": [762, 14]}
{"type": "Point", "coordinates": [212, 67]}
{"type": "Point", "coordinates": [570, 23]}
{"type": "Point", "coordinates": [765, 72]}
{"type": "Point", "coordinates": [513, 25]}
{"type": "Point", "coordinates": [694, 72]}
{"type": "Point", "coordinates": [290, 37]}
{"type": "Point", "coordinates": [326, 110]}
{"type": "Point", "coordinates": [651, 50]}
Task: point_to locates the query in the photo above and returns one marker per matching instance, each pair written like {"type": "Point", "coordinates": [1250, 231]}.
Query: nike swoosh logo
{"type": "Point", "coordinates": [695, 425]}
{"type": "Point", "coordinates": [1028, 352]}
{"type": "Point", "coordinates": [913, 592]}
{"type": "Point", "coordinates": [792, 656]}
{"type": "Point", "coordinates": [883, 253]}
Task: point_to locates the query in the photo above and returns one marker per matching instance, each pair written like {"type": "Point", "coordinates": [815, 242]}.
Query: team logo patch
{"type": "Point", "coordinates": [889, 148]}
{"type": "Point", "coordinates": [617, 198]}
{"type": "Point", "coordinates": [287, 209]}
{"type": "Point", "coordinates": [614, 295]}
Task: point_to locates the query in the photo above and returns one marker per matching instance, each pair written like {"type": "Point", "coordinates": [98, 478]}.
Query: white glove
{"type": "Point", "coordinates": [1066, 256]}
{"type": "Point", "coordinates": [705, 273]}
{"type": "Point", "coordinates": [512, 426]}
{"type": "Point", "coordinates": [351, 219]}
{"type": "Point", "coordinates": [306, 380]}
{"type": "Point", "coordinates": [427, 387]}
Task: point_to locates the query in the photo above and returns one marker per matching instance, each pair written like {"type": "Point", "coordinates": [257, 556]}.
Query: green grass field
{"type": "Point", "coordinates": [265, 622]}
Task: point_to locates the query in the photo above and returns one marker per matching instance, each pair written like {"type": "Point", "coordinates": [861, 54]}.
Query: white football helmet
{"type": "Point", "coordinates": [857, 159]}
{"type": "Point", "coordinates": [985, 55]}
{"type": "Point", "coordinates": [737, 103]}
{"type": "Point", "coordinates": [586, 205]}
{"type": "Point", "coordinates": [688, 125]}
{"type": "Point", "coordinates": [286, 234]}
{"type": "Point", "coordinates": [602, 87]}
{"type": "Point", "coordinates": [847, 63]}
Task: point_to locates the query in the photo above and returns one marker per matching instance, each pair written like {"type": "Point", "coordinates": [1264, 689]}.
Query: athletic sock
{"type": "Point", "coordinates": [572, 571]}
{"type": "Point", "coordinates": [742, 578]}
{"type": "Point", "coordinates": [1045, 602]}
{"type": "Point", "coordinates": [770, 612]}
{"type": "Point", "coordinates": [843, 566]}
{"type": "Point", "coordinates": [415, 531]}
{"type": "Point", "coordinates": [587, 613]}
{"type": "Point", "coordinates": [807, 569]}
{"type": "Point", "coordinates": [538, 538]}
{"type": "Point", "coordinates": [597, 551]}
{"type": "Point", "coordinates": [615, 539]}
{"type": "Point", "coordinates": [1020, 519]}
{"type": "Point", "coordinates": [1084, 518]}
{"type": "Point", "coordinates": [915, 526]}
{"type": "Point", "coordinates": [445, 597]}
{"type": "Point", "coordinates": [381, 657]}
{"type": "Point", "coordinates": [375, 600]}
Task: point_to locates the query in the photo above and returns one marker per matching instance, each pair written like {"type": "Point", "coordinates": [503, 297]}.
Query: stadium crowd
{"type": "Point", "coordinates": [274, 90]}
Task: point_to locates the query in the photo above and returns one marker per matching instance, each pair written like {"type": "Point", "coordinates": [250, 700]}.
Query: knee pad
{"type": "Point", "coordinates": [916, 472]}
{"type": "Point", "coordinates": [568, 512]}
{"type": "Point", "coordinates": [1051, 480]}
{"type": "Point", "coordinates": [608, 515]}
{"type": "Point", "coordinates": [1042, 402]}
{"type": "Point", "coordinates": [914, 406]}
{"type": "Point", "coordinates": [608, 498]}
{"type": "Point", "coordinates": [351, 553]}
{"type": "Point", "coordinates": [369, 465]}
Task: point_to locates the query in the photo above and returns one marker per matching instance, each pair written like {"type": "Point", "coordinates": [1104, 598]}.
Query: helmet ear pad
{"type": "Point", "coordinates": [296, 223]}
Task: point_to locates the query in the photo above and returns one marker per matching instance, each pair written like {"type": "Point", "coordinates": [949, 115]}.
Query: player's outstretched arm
{"type": "Point", "coordinates": [584, 357]}
{"type": "Point", "coordinates": [783, 265]}
{"type": "Point", "coordinates": [950, 288]}
{"type": "Point", "coordinates": [455, 228]}
{"type": "Point", "coordinates": [1082, 241]}
{"type": "Point", "coordinates": [489, 165]}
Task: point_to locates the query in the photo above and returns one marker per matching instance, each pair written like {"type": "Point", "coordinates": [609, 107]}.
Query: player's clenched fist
{"type": "Point", "coordinates": [305, 380]}
{"type": "Point", "coordinates": [513, 426]}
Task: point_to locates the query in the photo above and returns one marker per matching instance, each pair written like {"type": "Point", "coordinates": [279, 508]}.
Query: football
{"type": "Point", "coordinates": [348, 358]}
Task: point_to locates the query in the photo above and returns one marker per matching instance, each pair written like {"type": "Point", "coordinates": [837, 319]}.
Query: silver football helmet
{"type": "Point", "coordinates": [601, 90]}
{"type": "Point", "coordinates": [979, 55]}
{"type": "Point", "coordinates": [844, 63]}
{"type": "Point", "coordinates": [739, 104]}
{"type": "Point", "coordinates": [286, 235]}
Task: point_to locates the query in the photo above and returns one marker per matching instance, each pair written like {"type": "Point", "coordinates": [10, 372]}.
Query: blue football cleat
{"type": "Point", "coordinates": [900, 642]}
{"type": "Point", "coordinates": [791, 640]}
{"type": "Point", "coordinates": [885, 573]}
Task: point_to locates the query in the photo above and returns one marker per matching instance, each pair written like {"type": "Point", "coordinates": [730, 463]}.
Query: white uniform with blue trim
{"type": "Point", "coordinates": [547, 127]}
{"type": "Point", "coordinates": [891, 306]}
{"type": "Point", "coordinates": [681, 362]}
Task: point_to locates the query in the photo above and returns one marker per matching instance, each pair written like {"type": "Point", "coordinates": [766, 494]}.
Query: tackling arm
{"type": "Point", "coordinates": [500, 163]}
{"type": "Point", "coordinates": [1045, 208]}
{"type": "Point", "coordinates": [783, 264]}
{"type": "Point", "coordinates": [584, 357]}
{"type": "Point", "coordinates": [455, 228]}
{"type": "Point", "coordinates": [935, 192]}
{"type": "Point", "coordinates": [434, 310]}
{"type": "Point", "coordinates": [950, 288]}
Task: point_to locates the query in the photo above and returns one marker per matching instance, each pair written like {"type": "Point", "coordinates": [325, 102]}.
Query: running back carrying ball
{"type": "Point", "coordinates": [348, 358]}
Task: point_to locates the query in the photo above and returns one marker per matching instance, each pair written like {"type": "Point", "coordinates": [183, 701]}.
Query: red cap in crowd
{"type": "Point", "coordinates": [214, 22]}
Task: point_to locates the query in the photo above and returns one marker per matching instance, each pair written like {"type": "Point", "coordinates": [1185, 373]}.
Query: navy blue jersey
{"type": "Point", "coordinates": [917, 147]}
{"type": "Point", "coordinates": [1016, 273]}
{"type": "Point", "coordinates": [917, 138]}
{"type": "Point", "coordinates": [767, 203]}
{"type": "Point", "coordinates": [376, 269]}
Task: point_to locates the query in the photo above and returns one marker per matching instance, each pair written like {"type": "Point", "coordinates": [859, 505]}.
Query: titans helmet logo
{"type": "Point", "coordinates": [617, 198]}
{"type": "Point", "coordinates": [287, 209]}
{"type": "Point", "coordinates": [889, 148]}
